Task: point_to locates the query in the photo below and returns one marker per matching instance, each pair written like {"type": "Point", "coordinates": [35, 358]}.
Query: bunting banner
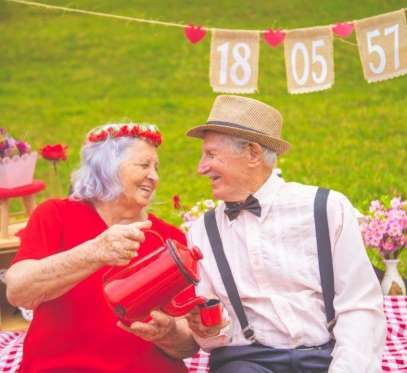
{"type": "Point", "coordinates": [309, 59]}
{"type": "Point", "coordinates": [234, 61]}
{"type": "Point", "coordinates": [308, 52]}
{"type": "Point", "coordinates": [382, 42]}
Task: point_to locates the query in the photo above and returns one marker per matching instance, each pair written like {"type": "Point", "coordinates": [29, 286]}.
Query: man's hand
{"type": "Point", "coordinates": [161, 327]}
{"type": "Point", "coordinates": [195, 324]}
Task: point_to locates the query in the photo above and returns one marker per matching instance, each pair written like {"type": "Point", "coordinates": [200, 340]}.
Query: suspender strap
{"type": "Point", "coordinates": [324, 254]}
{"type": "Point", "coordinates": [226, 274]}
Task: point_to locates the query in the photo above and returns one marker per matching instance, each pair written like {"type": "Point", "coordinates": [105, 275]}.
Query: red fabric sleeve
{"type": "Point", "coordinates": [43, 234]}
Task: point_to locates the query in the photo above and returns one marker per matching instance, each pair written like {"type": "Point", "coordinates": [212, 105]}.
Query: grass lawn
{"type": "Point", "coordinates": [62, 74]}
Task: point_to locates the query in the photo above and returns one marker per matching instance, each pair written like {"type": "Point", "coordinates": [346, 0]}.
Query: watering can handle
{"type": "Point", "coordinates": [155, 233]}
{"type": "Point", "coordinates": [175, 308]}
{"type": "Point", "coordinates": [158, 235]}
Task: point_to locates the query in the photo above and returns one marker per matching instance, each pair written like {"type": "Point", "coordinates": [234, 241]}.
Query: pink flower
{"type": "Point", "coordinates": [375, 205]}
{"type": "Point", "coordinates": [388, 246]}
{"type": "Point", "coordinates": [188, 217]}
{"type": "Point", "coordinates": [394, 228]}
{"type": "Point", "coordinates": [22, 147]}
{"type": "Point", "coordinates": [395, 203]}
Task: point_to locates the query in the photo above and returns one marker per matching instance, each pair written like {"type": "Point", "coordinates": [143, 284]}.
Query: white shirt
{"type": "Point", "coordinates": [274, 262]}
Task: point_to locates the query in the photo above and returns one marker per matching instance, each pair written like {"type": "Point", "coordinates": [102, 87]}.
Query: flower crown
{"type": "Point", "coordinates": [147, 132]}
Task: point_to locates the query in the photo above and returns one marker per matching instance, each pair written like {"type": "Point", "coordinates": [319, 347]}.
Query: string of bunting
{"type": "Point", "coordinates": [308, 52]}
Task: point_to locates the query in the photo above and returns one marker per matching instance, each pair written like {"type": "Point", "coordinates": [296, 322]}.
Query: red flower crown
{"type": "Point", "coordinates": [147, 132]}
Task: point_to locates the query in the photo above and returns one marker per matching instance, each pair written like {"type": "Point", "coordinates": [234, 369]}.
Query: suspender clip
{"type": "Point", "coordinates": [331, 324]}
{"type": "Point", "coordinates": [248, 333]}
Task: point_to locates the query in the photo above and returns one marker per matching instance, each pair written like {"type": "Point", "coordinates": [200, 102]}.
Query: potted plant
{"type": "Point", "coordinates": [17, 162]}
{"type": "Point", "coordinates": [384, 229]}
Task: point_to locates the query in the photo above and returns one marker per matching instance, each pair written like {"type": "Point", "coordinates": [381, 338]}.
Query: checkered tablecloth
{"type": "Point", "coordinates": [11, 350]}
{"type": "Point", "coordinates": [394, 356]}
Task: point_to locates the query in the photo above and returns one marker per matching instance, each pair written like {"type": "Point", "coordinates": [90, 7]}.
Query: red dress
{"type": "Point", "coordinates": [77, 332]}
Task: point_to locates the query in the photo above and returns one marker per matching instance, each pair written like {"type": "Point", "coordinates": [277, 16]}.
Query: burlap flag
{"type": "Point", "coordinates": [382, 42]}
{"type": "Point", "coordinates": [309, 59]}
{"type": "Point", "coordinates": [234, 61]}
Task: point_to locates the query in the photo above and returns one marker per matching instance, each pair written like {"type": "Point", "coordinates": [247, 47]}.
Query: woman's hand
{"type": "Point", "coordinates": [119, 243]}
{"type": "Point", "coordinates": [31, 282]}
{"type": "Point", "coordinates": [161, 327]}
{"type": "Point", "coordinates": [171, 335]}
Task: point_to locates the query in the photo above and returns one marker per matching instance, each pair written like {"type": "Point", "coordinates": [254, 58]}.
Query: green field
{"type": "Point", "coordinates": [62, 74]}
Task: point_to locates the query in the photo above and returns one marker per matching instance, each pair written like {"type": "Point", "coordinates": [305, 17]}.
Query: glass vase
{"type": "Point", "coordinates": [392, 283]}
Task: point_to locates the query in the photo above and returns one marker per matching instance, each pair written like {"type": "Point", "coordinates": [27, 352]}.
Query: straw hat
{"type": "Point", "coordinates": [246, 118]}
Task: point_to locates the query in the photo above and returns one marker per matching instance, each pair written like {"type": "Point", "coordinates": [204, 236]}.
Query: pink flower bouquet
{"type": "Point", "coordinates": [385, 227]}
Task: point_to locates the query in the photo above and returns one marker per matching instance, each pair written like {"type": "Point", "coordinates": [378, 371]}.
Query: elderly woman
{"type": "Point", "coordinates": [69, 244]}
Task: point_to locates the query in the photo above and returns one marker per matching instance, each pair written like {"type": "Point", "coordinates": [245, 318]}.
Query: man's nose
{"type": "Point", "coordinates": [203, 167]}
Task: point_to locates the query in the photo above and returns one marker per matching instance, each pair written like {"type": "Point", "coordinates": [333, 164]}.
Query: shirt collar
{"type": "Point", "coordinates": [265, 194]}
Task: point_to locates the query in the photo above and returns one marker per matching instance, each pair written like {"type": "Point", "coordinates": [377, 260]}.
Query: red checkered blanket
{"type": "Point", "coordinates": [394, 356]}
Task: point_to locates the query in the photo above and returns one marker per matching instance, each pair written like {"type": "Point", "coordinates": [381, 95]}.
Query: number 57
{"type": "Point", "coordinates": [376, 48]}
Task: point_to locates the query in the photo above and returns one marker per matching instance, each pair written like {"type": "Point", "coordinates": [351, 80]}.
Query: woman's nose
{"type": "Point", "coordinates": [153, 175]}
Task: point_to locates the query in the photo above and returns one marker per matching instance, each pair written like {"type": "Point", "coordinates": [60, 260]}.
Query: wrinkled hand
{"type": "Point", "coordinates": [160, 327]}
{"type": "Point", "coordinates": [119, 243]}
{"type": "Point", "coordinates": [195, 324]}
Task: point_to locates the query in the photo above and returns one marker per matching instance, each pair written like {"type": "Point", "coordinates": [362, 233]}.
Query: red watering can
{"type": "Point", "coordinates": [161, 280]}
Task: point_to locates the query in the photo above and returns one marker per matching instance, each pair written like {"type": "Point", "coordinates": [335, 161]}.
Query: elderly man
{"type": "Point", "coordinates": [286, 260]}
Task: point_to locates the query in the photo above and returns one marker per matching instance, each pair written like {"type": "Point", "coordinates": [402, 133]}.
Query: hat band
{"type": "Point", "coordinates": [234, 125]}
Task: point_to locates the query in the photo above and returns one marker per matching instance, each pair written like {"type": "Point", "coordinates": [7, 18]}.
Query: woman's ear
{"type": "Point", "coordinates": [255, 154]}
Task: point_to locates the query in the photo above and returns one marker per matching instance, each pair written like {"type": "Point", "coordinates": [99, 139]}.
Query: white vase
{"type": "Point", "coordinates": [392, 283]}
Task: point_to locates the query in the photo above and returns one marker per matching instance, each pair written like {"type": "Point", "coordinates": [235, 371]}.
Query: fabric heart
{"type": "Point", "coordinates": [343, 29]}
{"type": "Point", "coordinates": [194, 33]}
{"type": "Point", "coordinates": [274, 37]}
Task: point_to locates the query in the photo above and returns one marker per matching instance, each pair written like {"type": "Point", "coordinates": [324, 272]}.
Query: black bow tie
{"type": "Point", "coordinates": [251, 204]}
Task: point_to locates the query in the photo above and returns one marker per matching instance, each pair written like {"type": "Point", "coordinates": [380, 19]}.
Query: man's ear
{"type": "Point", "coordinates": [255, 154]}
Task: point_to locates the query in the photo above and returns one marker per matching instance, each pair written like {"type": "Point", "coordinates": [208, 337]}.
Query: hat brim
{"type": "Point", "coordinates": [277, 145]}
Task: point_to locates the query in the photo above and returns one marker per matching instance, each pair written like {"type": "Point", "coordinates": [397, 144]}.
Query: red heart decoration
{"type": "Point", "coordinates": [343, 29]}
{"type": "Point", "coordinates": [194, 33]}
{"type": "Point", "coordinates": [274, 37]}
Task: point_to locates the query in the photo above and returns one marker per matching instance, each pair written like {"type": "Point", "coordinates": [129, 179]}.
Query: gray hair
{"type": "Point", "coordinates": [98, 175]}
{"type": "Point", "coordinates": [239, 144]}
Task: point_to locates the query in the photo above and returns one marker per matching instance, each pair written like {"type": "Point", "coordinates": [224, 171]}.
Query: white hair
{"type": "Point", "coordinates": [239, 144]}
{"type": "Point", "coordinates": [98, 175]}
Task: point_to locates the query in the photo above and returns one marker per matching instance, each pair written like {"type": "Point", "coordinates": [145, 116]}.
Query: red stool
{"type": "Point", "coordinates": [26, 192]}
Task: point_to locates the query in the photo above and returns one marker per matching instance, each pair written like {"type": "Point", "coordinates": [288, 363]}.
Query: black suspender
{"type": "Point", "coordinates": [324, 260]}
{"type": "Point", "coordinates": [226, 274]}
{"type": "Point", "coordinates": [326, 271]}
